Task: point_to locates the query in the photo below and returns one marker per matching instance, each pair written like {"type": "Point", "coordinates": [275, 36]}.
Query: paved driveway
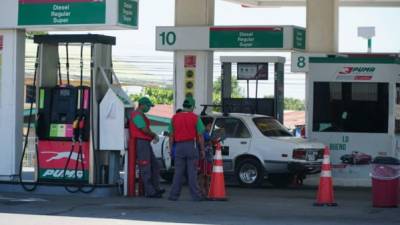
{"type": "Point", "coordinates": [245, 206]}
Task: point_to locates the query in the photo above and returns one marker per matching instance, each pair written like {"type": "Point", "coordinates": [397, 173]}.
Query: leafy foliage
{"type": "Point", "coordinates": [157, 95]}
{"type": "Point", "coordinates": [29, 35]}
{"type": "Point", "coordinates": [236, 91]}
{"type": "Point", "coordinates": [294, 104]}
{"type": "Point", "coordinates": [166, 96]}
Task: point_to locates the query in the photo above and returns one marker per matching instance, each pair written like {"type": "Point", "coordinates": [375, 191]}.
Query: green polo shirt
{"type": "Point", "coordinates": [139, 121]}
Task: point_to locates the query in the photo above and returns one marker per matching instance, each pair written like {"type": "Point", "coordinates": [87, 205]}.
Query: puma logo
{"type": "Point", "coordinates": [63, 155]}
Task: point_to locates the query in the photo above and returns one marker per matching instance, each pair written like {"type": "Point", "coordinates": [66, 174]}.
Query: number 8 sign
{"type": "Point", "coordinates": [299, 62]}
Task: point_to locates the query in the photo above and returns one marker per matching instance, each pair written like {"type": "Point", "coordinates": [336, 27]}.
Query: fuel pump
{"type": "Point", "coordinates": [68, 127]}
{"type": "Point", "coordinates": [253, 69]}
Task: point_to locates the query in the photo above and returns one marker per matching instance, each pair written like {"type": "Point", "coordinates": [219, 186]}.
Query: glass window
{"type": "Point", "coordinates": [350, 107]}
{"type": "Point", "coordinates": [207, 120]}
{"type": "Point", "coordinates": [231, 128]}
{"type": "Point", "coordinates": [397, 110]}
{"type": "Point", "coordinates": [271, 127]}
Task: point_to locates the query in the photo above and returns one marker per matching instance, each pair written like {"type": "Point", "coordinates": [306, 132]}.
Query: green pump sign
{"type": "Point", "coordinates": [61, 12]}
{"type": "Point", "coordinates": [246, 37]}
{"type": "Point", "coordinates": [128, 12]}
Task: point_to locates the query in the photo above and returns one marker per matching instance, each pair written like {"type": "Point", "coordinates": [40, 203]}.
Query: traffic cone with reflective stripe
{"type": "Point", "coordinates": [217, 186]}
{"type": "Point", "coordinates": [325, 190]}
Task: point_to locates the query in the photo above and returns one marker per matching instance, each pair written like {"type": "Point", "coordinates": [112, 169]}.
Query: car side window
{"type": "Point", "coordinates": [207, 120]}
{"type": "Point", "coordinates": [230, 128]}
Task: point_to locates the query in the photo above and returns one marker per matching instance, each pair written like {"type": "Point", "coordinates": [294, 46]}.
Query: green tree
{"type": "Point", "coordinates": [236, 90]}
{"type": "Point", "coordinates": [294, 104]}
{"type": "Point", "coordinates": [31, 34]}
{"type": "Point", "coordinates": [157, 95]}
{"type": "Point", "coordinates": [166, 96]}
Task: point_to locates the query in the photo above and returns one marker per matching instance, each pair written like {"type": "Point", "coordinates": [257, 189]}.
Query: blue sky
{"type": "Point", "coordinates": [384, 19]}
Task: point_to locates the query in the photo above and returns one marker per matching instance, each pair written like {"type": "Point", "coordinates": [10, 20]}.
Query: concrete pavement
{"type": "Point", "coordinates": [245, 206]}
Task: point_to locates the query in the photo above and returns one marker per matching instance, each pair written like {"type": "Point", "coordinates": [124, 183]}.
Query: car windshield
{"type": "Point", "coordinates": [271, 127]}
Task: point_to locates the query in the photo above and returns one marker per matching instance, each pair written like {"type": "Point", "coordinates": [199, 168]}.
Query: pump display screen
{"type": "Point", "coordinates": [252, 71]}
{"type": "Point", "coordinates": [65, 92]}
{"type": "Point", "coordinates": [64, 104]}
{"type": "Point", "coordinates": [350, 107]}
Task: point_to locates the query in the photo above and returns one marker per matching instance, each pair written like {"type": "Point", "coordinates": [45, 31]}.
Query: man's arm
{"type": "Point", "coordinates": [149, 132]}
{"type": "Point", "coordinates": [171, 137]}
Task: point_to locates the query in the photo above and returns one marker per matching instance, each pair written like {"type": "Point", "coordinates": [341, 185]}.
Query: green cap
{"type": "Point", "coordinates": [189, 102]}
{"type": "Point", "coordinates": [145, 101]}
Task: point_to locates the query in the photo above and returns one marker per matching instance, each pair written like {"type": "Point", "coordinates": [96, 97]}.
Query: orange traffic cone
{"type": "Point", "coordinates": [217, 186]}
{"type": "Point", "coordinates": [325, 189]}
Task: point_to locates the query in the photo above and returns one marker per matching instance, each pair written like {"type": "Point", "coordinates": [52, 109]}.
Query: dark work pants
{"type": "Point", "coordinates": [148, 167]}
{"type": "Point", "coordinates": [186, 157]}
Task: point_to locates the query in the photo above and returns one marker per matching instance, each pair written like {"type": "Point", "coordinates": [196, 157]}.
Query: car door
{"type": "Point", "coordinates": [237, 138]}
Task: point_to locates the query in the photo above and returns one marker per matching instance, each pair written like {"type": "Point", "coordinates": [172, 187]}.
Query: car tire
{"type": "Point", "coordinates": [167, 176]}
{"type": "Point", "coordinates": [249, 173]}
{"type": "Point", "coordinates": [280, 180]}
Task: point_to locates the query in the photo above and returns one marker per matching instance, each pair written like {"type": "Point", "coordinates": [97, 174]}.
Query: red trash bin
{"type": "Point", "coordinates": [385, 182]}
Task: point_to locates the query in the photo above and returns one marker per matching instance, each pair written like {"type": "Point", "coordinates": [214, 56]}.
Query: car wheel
{"type": "Point", "coordinates": [280, 180]}
{"type": "Point", "coordinates": [249, 173]}
{"type": "Point", "coordinates": [167, 176]}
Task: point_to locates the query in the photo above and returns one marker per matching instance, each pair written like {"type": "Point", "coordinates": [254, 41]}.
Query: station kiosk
{"type": "Point", "coordinates": [353, 106]}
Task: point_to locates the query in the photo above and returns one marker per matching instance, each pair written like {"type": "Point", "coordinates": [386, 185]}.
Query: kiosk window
{"type": "Point", "coordinates": [397, 110]}
{"type": "Point", "coordinates": [350, 107]}
{"type": "Point", "coordinates": [231, 128]}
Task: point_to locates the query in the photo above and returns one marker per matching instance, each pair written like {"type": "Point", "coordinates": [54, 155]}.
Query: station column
{"type": "Point", "coordinates": [193, 70]}
{"type": "Point", "coordinates": [322, 37]}
{"type": "Point", "coordinates": [322, 26]}
{"type": "Point", "coordinates": [12, 58]}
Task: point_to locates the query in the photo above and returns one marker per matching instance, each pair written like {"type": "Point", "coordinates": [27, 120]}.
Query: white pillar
{"type": "Point", "coordinates": [322, 26]}
{"type": "Point", "coordinates": [194, 13]}
{"type": "Point", "coordinates": [322, 37]}
{"type": "Point", "coordinates": [11, 102]}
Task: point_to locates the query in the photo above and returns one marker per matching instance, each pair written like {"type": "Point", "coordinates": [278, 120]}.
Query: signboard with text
{"type": "Point", "coordinates": [230, 38]}
{"type": "Point", "coordinates": [299, 38]}
{"type": "Point", "coordinates": [61, 12]}
{"type": "Point", "coordinates": [128, 12]}
{"type": "Point", "coordinates": [252, 71]}
{"type": "Point", "coordinates": [57, 163]}
{"type": "Point", "coordinates": [246, 37]}
{"type": "Point", "coordinates": [300, 61]}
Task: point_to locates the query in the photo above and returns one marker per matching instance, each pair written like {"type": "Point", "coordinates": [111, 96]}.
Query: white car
{"type": "Point", "coordinates": [255, 147]}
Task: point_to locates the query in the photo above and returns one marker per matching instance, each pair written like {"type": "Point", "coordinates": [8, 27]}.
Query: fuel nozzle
{"type": "Point", "coordinates": [75, 124]}
{"type": "Point", "coordinates": [82, 123]}
{"type": "Point", "coordinates": [75, 128]}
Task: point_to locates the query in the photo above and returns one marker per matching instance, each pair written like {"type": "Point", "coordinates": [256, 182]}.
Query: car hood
{"type": "Point", "coordinates": [300, 142]}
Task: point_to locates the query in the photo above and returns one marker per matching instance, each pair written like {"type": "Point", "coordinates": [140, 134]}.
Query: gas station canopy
{"type": "Point", "coordinates": [69, 14]}
{"type": "Point", "coordinates": [353, 3]}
